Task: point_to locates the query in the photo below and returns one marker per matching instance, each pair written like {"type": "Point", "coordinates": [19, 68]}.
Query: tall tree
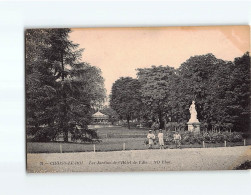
{"type": "Point", "coordinates": [197, 83]}
{"type": "Point", "coordinates": [60, 88]}
{"type": "Point", "coordinates": [239, 93]}
{"type": "Point", "coordinates": [157, 90]}
{"type": "Point", "coordinates": [220, 89]}
{"type": "Point", "coordinates": [125, 98]}
{"type": "Point", "coordinates": [41, 85]}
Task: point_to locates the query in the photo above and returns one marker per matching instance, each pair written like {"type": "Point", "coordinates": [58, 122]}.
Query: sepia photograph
{"type": "Point", "coordinates": [137, 99]}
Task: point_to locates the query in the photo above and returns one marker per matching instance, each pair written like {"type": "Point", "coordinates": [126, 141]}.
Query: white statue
{"type": "Point", "coordinates": [193, 113]}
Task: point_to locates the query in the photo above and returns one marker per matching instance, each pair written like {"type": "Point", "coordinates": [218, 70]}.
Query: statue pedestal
{"type": "Point", "coordinates": [194, 127]}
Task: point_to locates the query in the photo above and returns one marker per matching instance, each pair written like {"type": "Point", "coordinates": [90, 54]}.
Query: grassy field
{"type": "Point", "coordinates": [121, 132]}
{"type": "Point", "coordinates": [113, 139]}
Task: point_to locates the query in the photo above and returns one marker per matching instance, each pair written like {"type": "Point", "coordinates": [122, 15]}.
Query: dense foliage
{"type": "Point", "coordinates": [126, 98]}
{"type": "Point", "coordinates": [156, 88]}
{"type": "Point", "coordinates": [188, 138]}
{"type": "Point", "coordinates": [113, 116]}
{"type": "Point", "coordinates": [60, 88]}
{"type": "Point", "coordinates": [221, 90]}
{"type": "Point", "coordinates": [207, 137]}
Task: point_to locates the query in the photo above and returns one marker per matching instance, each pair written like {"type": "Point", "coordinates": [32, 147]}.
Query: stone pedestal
{"type": "Point", "coordinates": [194, 127]}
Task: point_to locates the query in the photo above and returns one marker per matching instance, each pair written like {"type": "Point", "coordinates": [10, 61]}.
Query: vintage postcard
{"type": "Point", "coordinates": [137, 99]}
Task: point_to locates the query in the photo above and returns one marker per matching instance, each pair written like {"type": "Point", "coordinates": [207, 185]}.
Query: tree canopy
{"type": "Point", "coordinates": [221, 90]}
{"type": "Point", "coordinates": [157, 85]}
{"type": "Point", "coordinates": [60, 88]}
{"type": "Point", "coordinates": [125, 98]}
{"type": "Point", "coordinates": [113, 116]}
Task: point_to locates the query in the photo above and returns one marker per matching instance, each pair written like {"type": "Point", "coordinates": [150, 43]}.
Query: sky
{"type": "Point", "coordinates": [118, 52]}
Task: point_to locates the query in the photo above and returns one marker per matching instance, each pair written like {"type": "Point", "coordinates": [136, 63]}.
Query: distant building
{"type": "Point", "coordinates": [100, 118]}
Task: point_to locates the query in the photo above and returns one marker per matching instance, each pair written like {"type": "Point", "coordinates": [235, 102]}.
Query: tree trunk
{"type": "Point", "coordinates": [161, 122]}
{"type": "Point", "coordinates": [128, 121]}
{"type": "Point", "coordinates": [64, 120]}
{"type": "Point", "coordinates": [165, 124]}
{"type": "Point", "coordinates": [65, 135]}
{"type": "Point", "coordinates": [50, 125]}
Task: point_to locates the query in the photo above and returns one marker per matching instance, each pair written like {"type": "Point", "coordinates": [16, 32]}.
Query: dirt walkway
{"type": "Point", "coordinates": [188, 159]}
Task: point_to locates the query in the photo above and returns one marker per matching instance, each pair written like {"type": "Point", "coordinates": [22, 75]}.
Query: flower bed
{"type": "Point", "coordinates": [208, 137]}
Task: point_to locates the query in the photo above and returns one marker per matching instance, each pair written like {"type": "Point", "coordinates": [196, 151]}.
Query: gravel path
{"type": "Point", "coordinates": [189, 159]}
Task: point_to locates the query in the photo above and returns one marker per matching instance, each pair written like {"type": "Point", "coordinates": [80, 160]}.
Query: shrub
{"type": "Point", "coordinates": [207, 137]}
{"type": "Point", "coordinates": [233, 137]}
{"type": "Point", "coordinates": [83, 134]}
{"type": "Point", "coordinates": [45, 134]}
{"type": "Point", "coordinates": [237, 137]}
{"type": "Point", "coordinates": [185, 139]}
{"type": "Point", "coordinates": [199, 138]}
{"type": "Point", "coordinates": [219, 138]}
{"type": "Point", "coordinates": [188, 137]}
{"type": "Point", "coordinates": [244, 166]}
{"type": "Point", "coordinates": [168, 138]}
{"type": "Point", "coordinates": [214, 137]}
{"type": "Point", "coordinates": [192, 140]}
{"type": "Point", "coordinates": [155, 126]}
{"type": "Point", "coordinates": [211, 137]}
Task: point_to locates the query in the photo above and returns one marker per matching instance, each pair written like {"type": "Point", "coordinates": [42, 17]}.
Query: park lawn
{"type": "Point", "coordinates": [118, 131]}
{"type": "Point", "coordinates": [113, 139]}
{"type": "Point", "coordinates": [122, 130]}
{"type": "Point", "coordinates": [113, 144]}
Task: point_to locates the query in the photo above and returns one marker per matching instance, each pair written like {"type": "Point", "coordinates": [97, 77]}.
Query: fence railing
{"type": "Point", "coordinates": [124, 146]}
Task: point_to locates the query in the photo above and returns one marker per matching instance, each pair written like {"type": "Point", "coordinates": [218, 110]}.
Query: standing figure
{"type": "Point", "coordinates": [177, 139]}
{"type": "Point", "coordinates": [150, 138]}
{"type": "Point", "coordinates": [193, 113]}
{"type": "Point", "coordinates": [161, 139]}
